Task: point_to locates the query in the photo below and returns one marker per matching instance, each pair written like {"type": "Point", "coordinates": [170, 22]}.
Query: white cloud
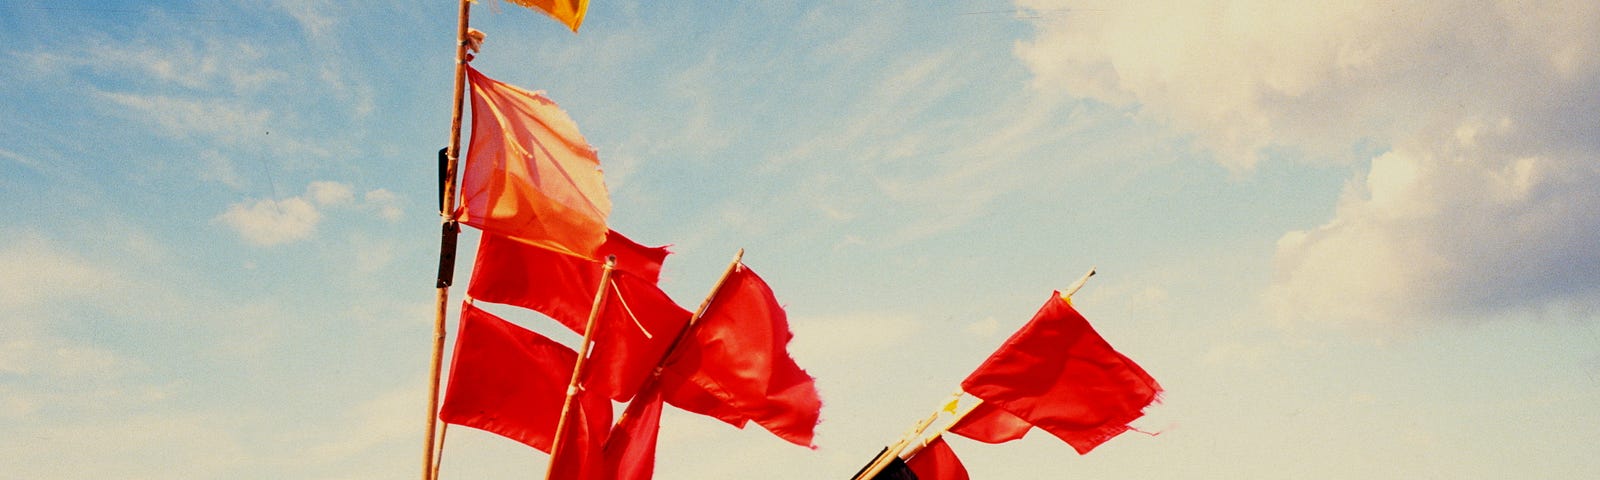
{"type": "Point", "coordinates": [1243, 75]}
{"type": "Point", "coordinates": [1487, 109]}
{"type": "Point", "coordinates": [330, 193]}
{"type": "Point", "coordinates": [272, 222]}
{"type": "Point", "coordinates": [275, 222]}
{"type": "Point", "coordinates": [38, 272]}
{"type": "Point", "coordinates": [1467, 225]}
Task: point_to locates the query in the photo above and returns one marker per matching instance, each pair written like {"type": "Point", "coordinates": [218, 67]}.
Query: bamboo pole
{"type": "Point", "coordinates": [941, 431]}
{"type": "Point", "coordinates": [447, 239]}
{"type": "Point", "coordinates": [438, 457]}
{"type": "Point", "coordinates": [583, 356]}
{"type": "Point", "coordinates": [698, 312]}
{"type": "Point", "coordinates": [886, 457]}
{"type": "Point", "coordinates": [888, 454]}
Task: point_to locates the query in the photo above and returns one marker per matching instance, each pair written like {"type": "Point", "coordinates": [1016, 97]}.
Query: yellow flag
{"type": "Point", "coordinates": [569, 12]}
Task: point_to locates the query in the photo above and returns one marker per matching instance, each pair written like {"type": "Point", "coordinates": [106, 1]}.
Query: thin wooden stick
{"type": "Point", "coordinates": [1078, 284]}
{"type": "Point", "coordinates": [438, 458]}
{"type": "Point", "coordinates": [887, 456]}
{"type": "Point", "coordinates": [447, 239]}
{"type": "Point", "coordinates": [698, 312]}
{"type": "Point", "coordinates": [583, 356]}
{"type": "Point", "coordinates": [941, 431]}
{"type": "Point", "coordinates": [654, 380]}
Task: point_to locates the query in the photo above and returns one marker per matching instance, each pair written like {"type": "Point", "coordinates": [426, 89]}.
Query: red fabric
{"type": "Point", "coordinates": [511, 381]}
{"type": "Point", "coordinates": [581, 453]}
{"type": "Point", "coordinates": [630, 452]}
{"type": "Point", "coordinates": [739, 353]}
{"type": "Point", "coordinates": [1059, 375]}
{"type": "Point", "coordinates": [638, 320]}
{"type": "Point", "coordinates": [937, 462]}
{"type": "Point", "coordinates": [990, 424]}
{"type": "Point", "coordinates": [529, 174]}
{"type": "Point", "coordinates": [680, 392]}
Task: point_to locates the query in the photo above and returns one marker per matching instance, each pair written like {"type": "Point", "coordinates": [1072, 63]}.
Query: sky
{"type": "Point", "coordinates": [1353, 240]}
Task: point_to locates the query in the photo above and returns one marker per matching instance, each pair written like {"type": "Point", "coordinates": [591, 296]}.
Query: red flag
{"type": "Point", "coordinates": [680, 392]}
{"type": "Point", "coordinates": [581, 454]}
{"type": "Point", "coordinates": [739, 353]}
{"type": "Point", "coordinates": [990, 424]}
{"type": "Point", "coordinates": [1059, 375]}
{"type": "Point", "coordinates": [529, 174]}
{"type": "Point", "coordinates": [937, 461]}
{"type": "Point", "coordinates": [511, 381]}
{"type": "Point", "coordinates": [630, 452]}
{"type": "Point", "coordinates": [568, 12]}
{"type": "Point", "coordinates": [638, 320]}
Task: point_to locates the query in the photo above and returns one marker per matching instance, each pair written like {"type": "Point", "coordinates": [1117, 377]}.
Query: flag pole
{"type": "Point", "coordinates": [888, 454]}
{"type": "Point", "coordinates": [698, 312]}
{"type": "Point", "coordinates": [583, 356]}
{"type": "Point", "coordinates": [438, 458]}
{"type": "Point", "coordinates": [886, 457]}
{"type": "Point", "coordinates": [447, 238]}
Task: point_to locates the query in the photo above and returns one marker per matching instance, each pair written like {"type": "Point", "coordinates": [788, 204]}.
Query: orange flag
{"type": "Point", "coordinates": [568, 12]}
{"type": "Point", "coordinates": [529, 174]}
{"type": "Point", "coordinates": [1059, 375]}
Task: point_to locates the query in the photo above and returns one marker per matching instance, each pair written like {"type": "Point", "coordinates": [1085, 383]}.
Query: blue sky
{"type": "Point", "coordinates": [1352, 241]}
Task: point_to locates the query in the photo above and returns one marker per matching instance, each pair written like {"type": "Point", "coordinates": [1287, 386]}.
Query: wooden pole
{"type": "Point", "coordinates": [887, 457]}
{"type": "Point", "coordinates": [698, 312]}
{"type": "Point", "coordinates": [935, 436]}
{"type": "Point", "coordinates": [655, 377]}
{"type": "Point", "coordinates": [447, 239]}
{"type": "Point", "coordinates": [583, 356]}
{"type": "Point", "coordinates": [438, 457]}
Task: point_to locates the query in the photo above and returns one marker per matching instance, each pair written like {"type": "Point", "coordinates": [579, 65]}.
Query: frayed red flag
{"type": "Point", "coordinates": [738, 352]}
{"type": "Point", "coordinates": [1058, 374]}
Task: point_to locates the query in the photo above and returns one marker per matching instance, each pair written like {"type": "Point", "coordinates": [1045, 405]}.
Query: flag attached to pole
{"type": "Point", "coordinates": [990, 424]}
{"type": "Point", "coordinates": [529, 175]}
{"type": "Point", "coordinates": [568, 12]}
{"type": "Point", "coordinates": [638, 321]}
{"type": "Point", "coordinates": [1059, 375]}
{"type": "Point", "coordinates": [511, 381]}
{"type": "Point", "coordinates": [630, 451]}
{"type": "Point", "coordinates": [937, 461]}
{"type": "Point", "coordinates": [738, 352]}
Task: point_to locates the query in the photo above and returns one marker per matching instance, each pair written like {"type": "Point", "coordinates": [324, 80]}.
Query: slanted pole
{"type": "Point", "coordinates": [577, 367]}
